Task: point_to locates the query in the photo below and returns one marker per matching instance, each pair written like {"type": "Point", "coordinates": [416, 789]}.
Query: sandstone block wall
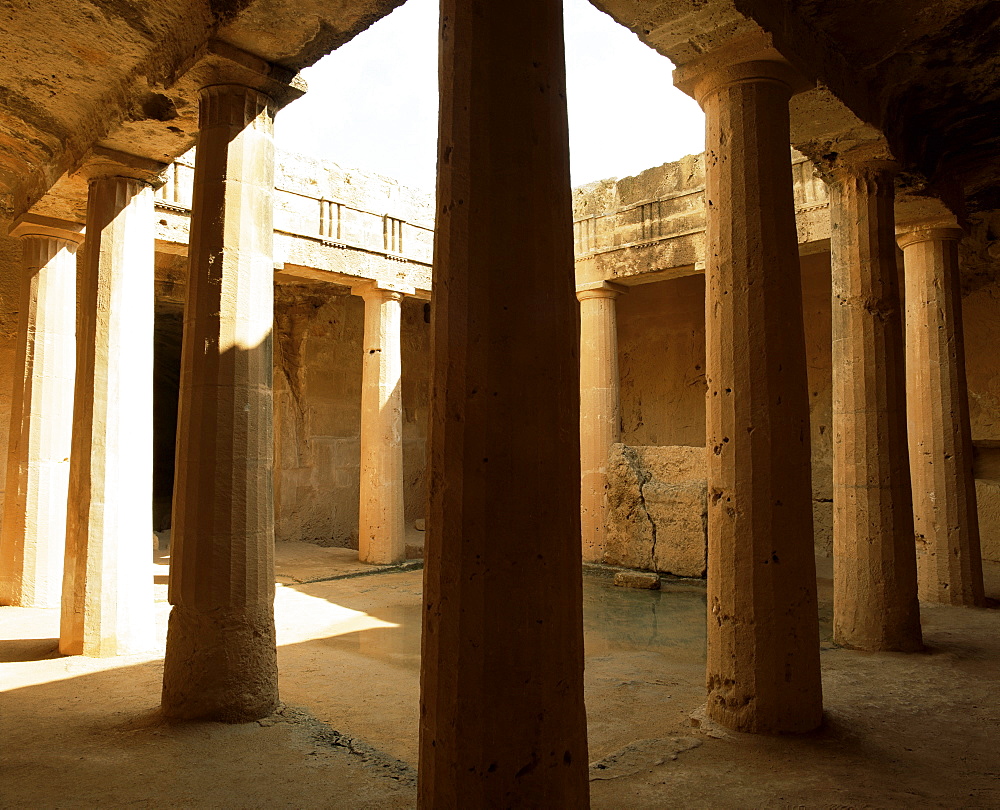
{"type": "Point", "coordinates": [657, 513]}
{"type": "Point", "coordinates": [979, 258]}
{"type": "Point", "coordinates": [317, 385]}
{"type": "Point", "coordinates": [661, 349]}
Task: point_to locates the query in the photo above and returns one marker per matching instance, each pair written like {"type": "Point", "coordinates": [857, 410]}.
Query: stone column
{"type": "Point", "coordinates": [107, 603]}
{"type": "Point", "coordinates": [949, 562]}
{"type": "Point", "coordinates": [33, 542]}
{"type": "Point", "coordinates": [220, 660]}
{"type": "Point", "coordinates": [502, 714]}
{"type": "Point", "coordinates": [763, 637]}
{"type": "Point", "coordinates": [600, 407]}
{"type": "Point", "coordinates": [874, 562]}
{"type": "Point", "coordinates": [381, 529]}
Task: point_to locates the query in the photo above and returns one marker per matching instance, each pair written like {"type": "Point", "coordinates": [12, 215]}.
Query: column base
{"type": "Point", "coordinates": [223, 665]}
{"type": "Point", "coordinates": [739, 713]}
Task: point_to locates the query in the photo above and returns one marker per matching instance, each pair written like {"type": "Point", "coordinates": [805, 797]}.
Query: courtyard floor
{"type": "Point", "coordinates": [910, 731]}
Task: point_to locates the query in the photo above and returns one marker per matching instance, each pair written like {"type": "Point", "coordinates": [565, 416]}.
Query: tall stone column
{"type": "Point", "coordinates": [874, 562]}
{"type": "Point", "coordinates": [107, 605]}
{"type": "Point", "coordinates": [949, 561]}
{"type": "Point", "coordinates": [220, 660]}
{"type": "Point", "coordinates": [381, 529]}
{"type": "Point", "coordinates": [502, 714]}
{"type": "Point", "coordinates": [763, 636]}
{"type": "Point", "coordinates": [600, 407]}
{"type": "Point", "coordinates": [33, 542]}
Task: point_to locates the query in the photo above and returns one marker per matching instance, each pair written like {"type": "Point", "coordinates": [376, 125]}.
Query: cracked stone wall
{"type": "Point", "coordinates": [661, 352]}
{"type": "Point", "coordinates": [657, 515]}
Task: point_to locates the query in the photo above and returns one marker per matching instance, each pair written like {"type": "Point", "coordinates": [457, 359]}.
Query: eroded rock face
{"type": "Point", "coordinates": [657, 513]}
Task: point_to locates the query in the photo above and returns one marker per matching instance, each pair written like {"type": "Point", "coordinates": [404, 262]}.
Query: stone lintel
{"type": "Point", "coordinates": [218, 62]}
{"type": "Point", "coordinates": [753, 56]}
{"type": "Point", "coordinates": [103, 162]}
{"type": "Point", "coordinates": [600, 289]}
{"type": "Point", "coordinates": [874, 155]}
{"type": "Point", "coordinates": [36, 225]}
{"type": "Point", "coordinates": [369, 287]}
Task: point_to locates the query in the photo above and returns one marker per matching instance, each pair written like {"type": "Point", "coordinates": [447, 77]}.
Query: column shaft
{"type": "Point", "coordinates": [221, 660]}
{"type": "Point", "coordinates": [763, 644]}
{"type": "Point", "coordinates": [874, 562]}
{"type": "Point", "coordinates": [107, 606]}
{"type": "Point", "coordinates": [600, 409]}
{"type": "Point", "coordinates": [32, 545]}
{"type": "Point", "coordinates": [949, 561]}
{"type": "Point", "coordinates": [502, 714]}
{"type": "Point", "coordinates": [381, 531]}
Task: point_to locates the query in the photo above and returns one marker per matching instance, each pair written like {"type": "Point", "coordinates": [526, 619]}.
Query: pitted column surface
{"type": "Point", "coordinates": [381, 529]}
{"type": "Point", "coordinates": [600, 407]}
{"type": "Point", "coordinates": [32, 546]}
{"type": "Point", "coordinates": [220, 660]}
{"type": "Point", "coordinates": [763, 638]}
{"type": "Point", "coordinates": [946, 520]}
{"type": "Point", "coordinates": [874, 560]}
{"type": "Point", "coordinates": [502, 714]}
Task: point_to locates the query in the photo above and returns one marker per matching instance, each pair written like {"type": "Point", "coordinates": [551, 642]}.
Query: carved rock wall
{"type": "Point", "coordinates": [317, 387]}
{"type": "Point", "coordinates": [657, 515]}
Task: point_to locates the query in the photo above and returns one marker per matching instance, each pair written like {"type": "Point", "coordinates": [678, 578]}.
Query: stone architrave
{"type": "Point", "coordinates": [502, 714]}
{"type": "Point", "coordinates": [600, 407]}
{"type": "Point", "coordinates": [381, 526]}
{"type": "Point", "coordinates": [874, 562]}
{"type": "Point", "coordinates": [107, 603]}
{"type": "Point", "coordinates": [946, 520]}
{"type": "Point", "coordinates": [763, 637]}
{"type": "Point", "coordinates": [33, 542]}
{"type": "Point", "coordinates": [220, 660]}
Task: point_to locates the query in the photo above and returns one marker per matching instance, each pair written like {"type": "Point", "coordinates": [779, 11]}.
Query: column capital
{"type": "Point", "coordinates": [744, 59]}
{"type": "Point", "coordinates": [223, 64]}
{"type": "Point", "coordinates": [35, 225]}
{"type": "Point", "coordinates": [101, 163]}
{"type": "Point", "coordinates": [382, 289]}
{"type": "Point", "coordinates": [234, 104]}
{"type": "Point", "coordinates": [599, 289]}
{"type": "Point", "coordinates": [941, 231]}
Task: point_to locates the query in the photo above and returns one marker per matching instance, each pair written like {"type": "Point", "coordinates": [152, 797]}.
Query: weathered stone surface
{"type": "Point", "coordinates": [32, 545]}
{"type": "Point", "coordinates": [988, 499]}
{"type": "Point", "coordinates": [503, 721]}
{"type": "Point", "coordinates": [653, 223]}
{"type": "Point", "coordinates": [763, 643]}
{"type": "Point", "coordinates": [874, 561]}
{"type": "Point", "coordinates": [600, 411]}
{"type": "Point", "coordinates": [949, 558]}
{"type": "Point", "coordinates": [641, 755]}
{"type": "Point", "coordinates": [637, 579]}
{"type": "Point", "coordinates": [656, 509]}
{"type": "Point", "coordinates": [220, 661]}
{"type": "Point", "coordinates": [107, 597]}
{"type": "Point", "coordinates": [317, 387]}
{"type": "Point", "coordinates": [382, 528]}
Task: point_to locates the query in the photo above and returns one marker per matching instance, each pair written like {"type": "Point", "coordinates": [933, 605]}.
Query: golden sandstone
{"type": "Point", "coordinates": [757, 358]}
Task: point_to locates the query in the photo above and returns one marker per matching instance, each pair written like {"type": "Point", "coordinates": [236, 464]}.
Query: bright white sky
{"type": "Point", "coordinates": [372, 104]}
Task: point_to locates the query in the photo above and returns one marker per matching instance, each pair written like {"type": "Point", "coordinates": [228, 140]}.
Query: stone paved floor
{"type": "Point", "coordinates": [902, 730]}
